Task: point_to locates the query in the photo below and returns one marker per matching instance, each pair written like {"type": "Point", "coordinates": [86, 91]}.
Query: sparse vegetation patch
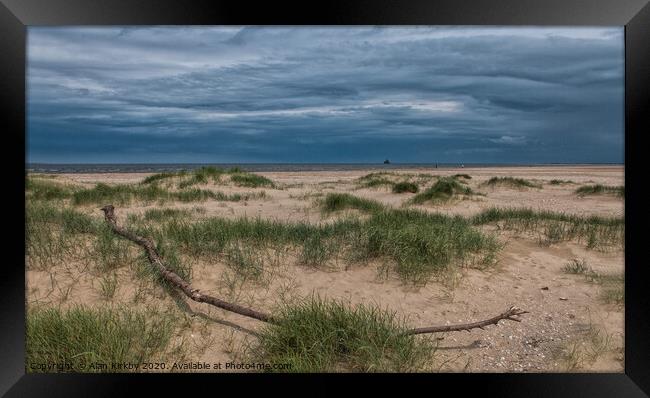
{"type": "Point", "coordinates": [600, 190]}
{"type": "Point", "coordinates": [596, 232]}
{"type": "Point", "coordinates": [510, 182]}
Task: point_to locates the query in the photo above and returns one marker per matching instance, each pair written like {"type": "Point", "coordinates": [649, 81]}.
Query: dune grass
{"type": "Point", "coordinates": [39, 189]}
{"type": "Point", "coordinates": [243, 179]}
{"type": "Point", "coordinates": [577, 267]}
{"type": "Point", "coordinates": [596, 232]}
{"type": "Point", "coordinates": [416, 244]}
{"type": "Point", "coordinates": [81, 336]}
{"type": "Point", "coordinates": [560, 182]}
{"type": "Point", "coordinates": [465, 176]}
{"type": "Point", "coordinates": [443, 190]}
{"type": "Point", "coordinates": [405, 186]}
{"type": "Point", "coordinates": [612, 286]}
{"type": "Point", "coordinates": [329, 336]}
{"type": "Point", "coordinates": [204, 174]}
{"type": "Point", "coordinates": [600, 190]}
{"type": "Point", "coordinates": [165, 214]}
{"type": "Point", "coordinates": [374, 180]}
{"type": "Point", "coordinates": [52, 234]}
{"type": "Point", "coordinates": [341, 201]}
{"type": "Point", "coordinates": [121, 194]}
{"type": "Point", "coordinates": [161, 176]}
{"type": "Point", "coordinates": [510, 182]}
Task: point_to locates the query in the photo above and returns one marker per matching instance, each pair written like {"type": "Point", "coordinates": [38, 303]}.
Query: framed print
{"type": "Point", "coordinates": [438, 193]}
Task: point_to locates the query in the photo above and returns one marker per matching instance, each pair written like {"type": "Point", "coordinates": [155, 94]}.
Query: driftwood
{"type": "Point", "coordinates": [506, 315]}
{"type": "Point", "coordinates": [173, 278]}
{"type": "Point", "coordinates": [157, 262]}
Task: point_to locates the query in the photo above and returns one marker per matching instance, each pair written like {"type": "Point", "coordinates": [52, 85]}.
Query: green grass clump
{"type": "Point", "coordinates": [600, 190]}
{"type": "Point", "coordinates": [443, 190]}
{"type": "Point", "coordinates": [118, 194]}
{"type": "Point", "coordinates": [560, 182]}
{"type": "Point", "coordinates": [340, 201]}
{"type": "Point", "coordinates": [374, 180]}
{"type": "Point", "coordinates": [160, 176]}
{"type": "Point", "coordinates": [465, 176]}
{"type": "Point", "coordinates": [417, 245]}
{"type": "Point", "coordinates": [245, 260]}
{"type": "Point", "coordinates": [405, 186]}
{"type": "Point", "coordinates": [329, 336]}
{"type": "Point", "coordinates": [81, 336]}
{"type": "Point", "coordinates": [201, 176]}
{"type": "Point", "coordinates": [596, 232]}
{"type": "Point", "coordinates": [511, 182]}
{"type": "Point", "coordinates": [613, 294]}
{"type": "Point", "coordinates": [53, 234]}
{"type": "Point", "coordinates": [125, 193]}
{"type": "Point", "coordinates": [243, 179]}
{"type": "Point", "coordinates": [38, 189]}
{"type": "Point", "coordinates": [165, 214]}
{"type": "Point", "coordinates": [577, 267]}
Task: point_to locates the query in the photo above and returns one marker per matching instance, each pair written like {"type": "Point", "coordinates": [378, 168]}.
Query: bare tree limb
{"type": "Point", "coordinates": [154, 258]}
{"type": "Point", "coordinates": [509, 315]}
{"type": "Point", "coordinates": [172, 277]}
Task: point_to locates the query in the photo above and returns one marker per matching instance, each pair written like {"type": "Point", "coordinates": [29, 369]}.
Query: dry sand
{"type": "Point", "coordinates": [566, 313]}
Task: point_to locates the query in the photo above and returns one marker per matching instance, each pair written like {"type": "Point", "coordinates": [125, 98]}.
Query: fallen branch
{"type": "Point", "coordinates": [506, 315]}
{"type": "Point", "coordinates": [172, 277]}
{"type": "Point", "coordinates": [196, 295]}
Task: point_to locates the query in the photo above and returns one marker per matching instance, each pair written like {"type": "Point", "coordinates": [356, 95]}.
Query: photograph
{"type": "Point", "coordinates": [325, 199]}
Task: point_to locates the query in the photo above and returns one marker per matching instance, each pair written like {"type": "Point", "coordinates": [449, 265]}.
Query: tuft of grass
{"type": "Point", "coordinates": [38, 189]}
{"type": "Point", "coordinates": [443, 190]}
{"type": "Point", "coordinates": [405, 186]}
{"type": "Point", "coordinates": [165, 214]}
{"type": "Point", "coordinates": [201, 176]}
{"type": "Point", "coordinates": [160, 176]}
{"type": "Point", "coordinates": [374, 180]}
{"type": "Point", "coordinates": [511, 182]}
{"type": "Point", "coordinates": [76, 338]}
{"type": "Point", "coordinates": [244, 260]}
{"type": "Point", "coordinates": [596, 232]}
{"type": "Point", "coordinates": [340, 201]}
{"type": "Point", "coordinates": [613, 294]}
{"type": "Point", "coordinates": [325, 336]}
{"type": "Point", "coordinates": [251, 180]}
{"type": "Point", "coordinates": [577, 267]}
{"type": "Point", "coordinates": [612, 286]}
{"type": "Point", "coordinates": [108, 286]}
{"type": "Point", "coordinates": [465, 176]}
{"type": "Point", "coordinates": [110, 251]}
{"type": "Point", "coordinates": [561, 182]}
{"type": "Point", "coordinates": [600, 190]}
{"type": "Point", "coordinates": [53, 234]}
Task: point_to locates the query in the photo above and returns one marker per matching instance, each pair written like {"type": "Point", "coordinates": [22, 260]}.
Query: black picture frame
{"type": "Point", "coordinates": [16, 15]}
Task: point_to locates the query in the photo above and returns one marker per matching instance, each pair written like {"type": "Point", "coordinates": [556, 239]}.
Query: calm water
{"type": "Point", "coordinates": [156, 168]}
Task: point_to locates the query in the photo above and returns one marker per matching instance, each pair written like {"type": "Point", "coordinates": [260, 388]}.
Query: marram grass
{"type": "Point", "coordinates": [79, 337]}
{"type": "Point", "coordinates": [329, 336]}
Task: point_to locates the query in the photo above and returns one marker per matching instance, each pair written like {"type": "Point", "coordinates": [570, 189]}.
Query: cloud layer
{"type": "Point", "coordinates": [327, 94]}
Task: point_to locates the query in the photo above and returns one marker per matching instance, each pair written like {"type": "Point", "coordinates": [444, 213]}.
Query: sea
{"type": "Point", "coordinates": [262, 167]}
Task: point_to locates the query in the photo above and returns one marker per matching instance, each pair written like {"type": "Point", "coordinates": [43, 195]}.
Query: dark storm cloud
{"type": "Point", "coordinates": [252, 94]}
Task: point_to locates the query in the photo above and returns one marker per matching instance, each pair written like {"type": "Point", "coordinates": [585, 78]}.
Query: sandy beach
{"type": "Point", "coordinates": [571, 325]}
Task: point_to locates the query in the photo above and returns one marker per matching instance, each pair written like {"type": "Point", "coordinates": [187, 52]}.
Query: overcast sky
{"type": "Point", "coordinates": [325, 94]}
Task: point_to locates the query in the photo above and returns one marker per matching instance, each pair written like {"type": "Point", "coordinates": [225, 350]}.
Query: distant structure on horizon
{"type": "Point", "coordinates": [386, 161]}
